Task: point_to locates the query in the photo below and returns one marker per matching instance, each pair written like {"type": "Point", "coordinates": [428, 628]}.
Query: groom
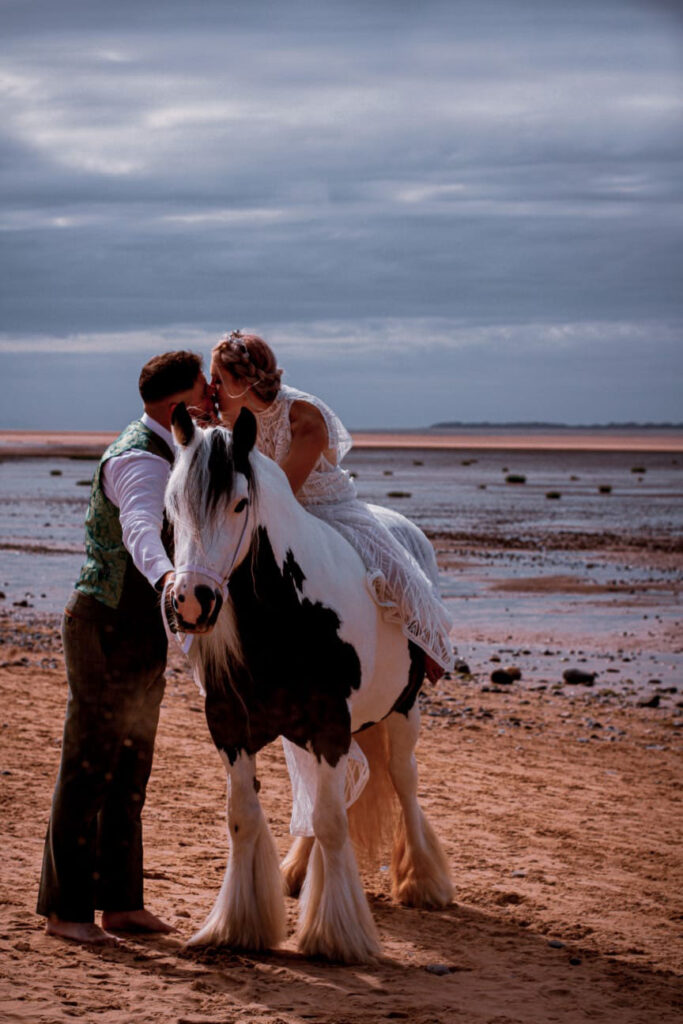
{"type": "Point", "coordinates": [115, 655]}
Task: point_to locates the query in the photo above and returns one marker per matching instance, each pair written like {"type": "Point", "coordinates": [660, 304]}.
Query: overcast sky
{"type": "Point", "coordinates": [432, 210]}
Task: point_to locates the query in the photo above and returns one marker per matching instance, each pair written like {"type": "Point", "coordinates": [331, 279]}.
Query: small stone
{"type": "Point", "coordinates": [650, 702]}
{"type": "Point", "coordinates": [578, 677]}
{"type": "Point", "coordinates": [439, 969]}
{"type": "Point", "coordinates": [575, 961]}
{"type": "Point", "coordinates": [501, 678]}
{"type": "Point", "coordinates": [556, 944]}
{"type": "Point", "coordinates": [462, 668]}
{"type": "Point", "coordinates": [513, 671]}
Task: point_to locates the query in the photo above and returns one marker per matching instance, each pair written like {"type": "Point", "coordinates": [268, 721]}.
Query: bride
{"type": "Point", "coordinates": [308, 441]}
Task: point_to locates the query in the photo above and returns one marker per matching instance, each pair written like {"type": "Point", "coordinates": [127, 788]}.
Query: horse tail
{"type": "Point", "coordinates": [372, 818]}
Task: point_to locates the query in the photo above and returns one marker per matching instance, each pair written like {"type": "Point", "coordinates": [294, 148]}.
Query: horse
{"type": "Point", "coordinates": [286, 640]}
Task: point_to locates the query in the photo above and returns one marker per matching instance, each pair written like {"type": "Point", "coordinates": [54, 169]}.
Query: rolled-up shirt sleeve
{"type": "Point", "coordinates": [135, 482]}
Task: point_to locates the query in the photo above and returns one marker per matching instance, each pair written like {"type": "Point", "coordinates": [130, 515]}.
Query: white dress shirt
{"type": "Point", "coordinates": [135, 482]}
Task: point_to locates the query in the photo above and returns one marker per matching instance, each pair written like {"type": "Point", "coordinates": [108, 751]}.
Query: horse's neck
{"type": "Point", "coordinates": [291, 528]}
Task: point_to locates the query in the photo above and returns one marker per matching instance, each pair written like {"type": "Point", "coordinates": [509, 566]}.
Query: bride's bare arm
{"type": "Point", "coordinates": [309, 441]}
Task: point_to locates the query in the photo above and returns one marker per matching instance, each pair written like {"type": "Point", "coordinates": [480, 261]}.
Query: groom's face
{"type": "Point", "coordinates": [197, 399]}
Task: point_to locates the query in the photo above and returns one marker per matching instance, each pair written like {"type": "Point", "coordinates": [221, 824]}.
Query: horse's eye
{"type": "Point", "coordinates": [241, 505]}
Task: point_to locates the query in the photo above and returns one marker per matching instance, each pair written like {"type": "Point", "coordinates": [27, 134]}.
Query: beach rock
{"type": "Point", "coordinates": [439, 969]}
{"type": "Point", "coordinates": [513, 671]}
{"type": "Point", "coordinates": [500, 677]}
{"type": "Point", "coordinates": [578, 677]}
{"type": "Point", "coordinates": [556, 944]}
{"type": "Point", "coordinates": [461, 667]}
{"type": "Point", "coordinates": [650, 702]}
{"type": "Point", "coordinates": [515, 478]}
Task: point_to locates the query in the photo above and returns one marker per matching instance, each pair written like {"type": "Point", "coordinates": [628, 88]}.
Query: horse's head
{"type": "Point", "coordinates": [209, 501]}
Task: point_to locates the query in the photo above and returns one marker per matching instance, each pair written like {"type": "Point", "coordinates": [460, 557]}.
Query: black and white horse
{"type": "Point", "coordinates": [288, 641]}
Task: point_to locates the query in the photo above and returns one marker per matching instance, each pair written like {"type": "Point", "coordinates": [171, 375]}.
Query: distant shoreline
{"type": "Point", "coordinates": [91, 444]}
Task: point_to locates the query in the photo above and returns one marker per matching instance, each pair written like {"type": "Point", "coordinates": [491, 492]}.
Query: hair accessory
{"type": "Point", "coordinates": [235, 338]}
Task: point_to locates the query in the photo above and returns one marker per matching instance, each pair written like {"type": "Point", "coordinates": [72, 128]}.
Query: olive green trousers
{"type": "Point", "coordinates": [92, 857]}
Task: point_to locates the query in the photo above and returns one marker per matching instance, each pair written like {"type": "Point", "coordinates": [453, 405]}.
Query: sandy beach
{"type": "Point", "coordinates": [36, 443]}
{"type": "Point", "coordinates": [559, 807]}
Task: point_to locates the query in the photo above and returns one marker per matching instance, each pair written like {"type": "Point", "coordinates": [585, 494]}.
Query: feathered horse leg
{"type": "Point", "coordinates": [295, 864]}
{"type": "Point", "coordinates": [420, 875]}
{"type": "Point", "coordinates": [249, 912]}
{"type": "Point", "coordinates": [335, 920]}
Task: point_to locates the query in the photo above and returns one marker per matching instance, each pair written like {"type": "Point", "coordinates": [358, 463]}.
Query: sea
{"type": "Point", "coordinates": [547, 523]}
{"type": "Point", "coordinates": [539, 499]}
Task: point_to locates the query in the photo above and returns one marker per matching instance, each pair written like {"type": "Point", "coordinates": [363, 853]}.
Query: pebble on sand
{"type": "Point", "coordinates": [578, 677]}
{"type": "Point", "coordinates": [502, 677]}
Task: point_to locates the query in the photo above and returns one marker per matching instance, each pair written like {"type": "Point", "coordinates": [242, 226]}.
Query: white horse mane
{"type": "Point", "coordinates": [197, 501]}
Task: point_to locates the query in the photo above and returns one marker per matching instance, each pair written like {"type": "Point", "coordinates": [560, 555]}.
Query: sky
{"type": "Point", "coordinates": [437, 210]}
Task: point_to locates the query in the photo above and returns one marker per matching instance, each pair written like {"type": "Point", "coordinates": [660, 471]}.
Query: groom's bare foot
{"type": "Point", "coordinates": [80, 931]}
{"type": "Point", "coordinates": [134, 921]}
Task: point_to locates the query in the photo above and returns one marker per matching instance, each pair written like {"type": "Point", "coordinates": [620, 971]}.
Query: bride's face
{"type": "Point", "coordinates": [229, 391]}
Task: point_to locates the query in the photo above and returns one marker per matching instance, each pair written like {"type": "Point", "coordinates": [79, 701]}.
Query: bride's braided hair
{"type": "Point", "coordinates": [251, 359]}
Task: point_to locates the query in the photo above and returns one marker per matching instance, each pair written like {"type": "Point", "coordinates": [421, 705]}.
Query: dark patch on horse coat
{"type": "Point", "coordinates": [416, 677]}
{"type": "Point", "coordinates": [293, 571]}
{"type": "Point", "coordinates": [298, 673]}
{"type": "Point", "coordinates": [406, 699]}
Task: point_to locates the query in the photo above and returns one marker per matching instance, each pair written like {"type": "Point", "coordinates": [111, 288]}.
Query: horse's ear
{"type": "Point", "coordinates": [243, 439]}
{"type": "Point", "coordinates": [182, 425]}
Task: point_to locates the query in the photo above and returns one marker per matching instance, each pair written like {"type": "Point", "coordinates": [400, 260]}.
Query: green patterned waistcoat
{"type": "Point", "coordinates": [109, 574]}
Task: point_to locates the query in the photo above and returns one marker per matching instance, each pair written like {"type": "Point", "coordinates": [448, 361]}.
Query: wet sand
{"type": "Point", "coordinates": [34, 443]}
{"type": "Point", "coordinates": [559, 807]}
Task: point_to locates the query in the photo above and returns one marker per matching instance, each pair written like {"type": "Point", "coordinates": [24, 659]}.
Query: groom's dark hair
{"type": "Point", "coordinates": [169, 373]}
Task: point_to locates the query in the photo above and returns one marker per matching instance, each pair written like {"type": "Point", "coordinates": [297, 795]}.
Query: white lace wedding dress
{"type": "Point", "coordinates": [400, 561]}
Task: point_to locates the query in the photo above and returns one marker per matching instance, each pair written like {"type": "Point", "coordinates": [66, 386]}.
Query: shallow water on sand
{"type": "Point", "coordinates": [458, 493]}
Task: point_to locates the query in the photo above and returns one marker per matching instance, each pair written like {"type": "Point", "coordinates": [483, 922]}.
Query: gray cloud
{"type": "Point", "coordinates": [187, 167]}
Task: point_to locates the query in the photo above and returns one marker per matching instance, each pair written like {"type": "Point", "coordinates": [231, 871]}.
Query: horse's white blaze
{"type": "Point", "coordinates": [211, 551]}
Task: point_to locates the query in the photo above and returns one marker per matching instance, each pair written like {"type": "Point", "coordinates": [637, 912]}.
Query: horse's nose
{"type": "Point", "coordinates": [195, 606]}
{"type": "Point", "coordinates": [206, 597]}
